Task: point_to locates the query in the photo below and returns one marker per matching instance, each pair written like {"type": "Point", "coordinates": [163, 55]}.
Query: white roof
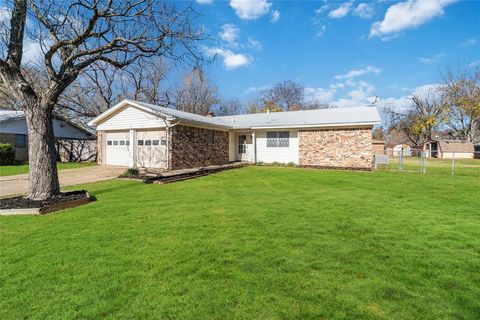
{"type": "Point", "coordinates": [11, 115]}
{"type": "Point", "coordinates": [356, 116]}
{"type": "Point", "coordinates": [306, 118]}
{"type": "Point", "coordinates": [8, 115]}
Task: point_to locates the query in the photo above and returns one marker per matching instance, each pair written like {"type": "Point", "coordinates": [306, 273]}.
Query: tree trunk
{"type": "Point", "coordinates": [42, 155]}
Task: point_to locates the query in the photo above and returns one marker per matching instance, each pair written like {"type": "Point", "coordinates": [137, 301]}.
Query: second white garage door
{"type": "Point", "coordinates": [151, 149]}
{"type": "Point", "coordinates": [117, 148]}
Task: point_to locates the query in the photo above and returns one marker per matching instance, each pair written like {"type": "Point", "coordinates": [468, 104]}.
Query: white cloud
{"type": "Point", "coordinates": [469, 42]}
{"type": "Point", "coordinates": [204, 1]}
{"type": "Point", "coordinates": [32, 52]}
{"type": "Point", "coordinates": [250, 9]}
{"type": "Point", "coordinates": [323, 8]}
{"type": "Point", "coordinates": [251, 90]}
{"type": "Point", "coordinates": [474, 64]}
{"type": "Point", "coordinates": [321, 30]}
{"type": "Point", "coordinates": [275, 16]}
{"type": "Point", "coordinates": [432, 60]}
{"type": "Point", "coordinates": [402, 103]}
{"type": "Point", "coordinates": [231, 60]}
{"type": "Point", "coordinates": [322, 95]}
{"type": "Point", "coordinates": [364, 10]}
{"type": "Point", "coordinates": [407, 15]}
{"type": "Point", "coordinates": [255, 44]}
{"type": "Point", "coordinates": [341, 11]}
{"type": "Point", "coordinates": [229, 33]}
{"type": "Point", "coordinates": [358, 72]}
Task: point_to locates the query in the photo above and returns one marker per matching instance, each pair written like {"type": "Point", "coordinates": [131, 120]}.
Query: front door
{"type": "Point", "coordinates": [244, 147]}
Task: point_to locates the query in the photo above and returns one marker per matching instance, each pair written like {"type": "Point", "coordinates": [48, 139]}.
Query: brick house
{"type": "Point", "coordinates": [138, 134]}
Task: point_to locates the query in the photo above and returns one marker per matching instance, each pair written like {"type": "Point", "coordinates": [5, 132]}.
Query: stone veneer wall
{"type": "Point", "coordinates": [336, 148]}
{"type": "Point", "coordinates": [189, 148]}
{"type": "Point", "coordinates": [100, 137]}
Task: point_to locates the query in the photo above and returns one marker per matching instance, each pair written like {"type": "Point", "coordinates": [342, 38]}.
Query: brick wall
{"type": "Point", "coordinates": [100, 137]}
{"type": "Point", "coordinates": [378, 148]}
{"type": "Point", "coordinates": [21, 154]}
{"type": "Point", "coordinates": [336, 148]}
{"type": "Point", "coordinates": [189, 147]}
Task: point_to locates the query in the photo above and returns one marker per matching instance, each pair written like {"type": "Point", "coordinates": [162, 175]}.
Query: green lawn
{"type": "Point", "coordinates": [252, 243]}
{"type": "Point", "coordinates": [23, 168]}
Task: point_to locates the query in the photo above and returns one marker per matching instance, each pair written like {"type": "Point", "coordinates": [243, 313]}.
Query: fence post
{"type": "Point", "coordinates": [453, 162]}
{"type": "Point", "coordinates": [400, 161]}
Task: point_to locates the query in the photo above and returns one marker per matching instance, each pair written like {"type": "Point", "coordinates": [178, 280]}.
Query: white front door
{"type": "Point", "coordinates": [151, 149]}
{"type": "Point", "coordinates": [244, 147]}
{"type": "Point", "coordinates": [117, 148]}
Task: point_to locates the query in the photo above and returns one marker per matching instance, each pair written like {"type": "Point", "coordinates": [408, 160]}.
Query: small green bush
{"type": "Point", "coordinates": [7, 154]}
{"type": "Point", "coordinates": [131, 172]}
{"type": "Point", "coordinates": [291, 164]}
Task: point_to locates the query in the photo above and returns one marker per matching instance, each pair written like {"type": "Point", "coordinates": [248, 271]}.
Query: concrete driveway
{"type": "Point", "coordinates": [12, 185]}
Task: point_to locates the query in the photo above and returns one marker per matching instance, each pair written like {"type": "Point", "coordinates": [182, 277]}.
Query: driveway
{"type": "Point", "coordinates": [11, 185]}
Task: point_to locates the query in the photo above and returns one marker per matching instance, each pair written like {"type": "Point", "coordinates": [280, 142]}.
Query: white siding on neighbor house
{"type": "Point", "coordinates": [282, 155]}
{"type": "Point", "coordinates": [61, 129]}
{"type": "Point", "coordinates": [131, 118]}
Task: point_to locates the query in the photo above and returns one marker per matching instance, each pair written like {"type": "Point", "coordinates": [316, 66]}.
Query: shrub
{"type": "Point", "coordinates": [7, 154]}
{"type": "Point", "coordinates": [291, 164]}
{"type": "Point", "coordinates": [131, 172]}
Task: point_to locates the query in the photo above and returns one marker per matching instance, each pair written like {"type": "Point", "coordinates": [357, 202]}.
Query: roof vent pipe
{"type": "Point", "coordinates": [268, 111]}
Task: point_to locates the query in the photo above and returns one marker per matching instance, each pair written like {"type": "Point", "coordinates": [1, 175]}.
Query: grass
{"type": "Point", "coordinates": [23, 167]}
{"type": "Point", "coordinates": [252, 243]}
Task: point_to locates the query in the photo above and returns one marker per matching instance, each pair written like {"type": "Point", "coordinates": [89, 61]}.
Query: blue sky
{"type": "Point", "coordinates": [343, 52]}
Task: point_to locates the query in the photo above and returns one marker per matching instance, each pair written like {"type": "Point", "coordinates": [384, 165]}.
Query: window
{"type": "Point", "coordinates": [242, 144]}
{"type": "Point", "coordinates": [163, 142]}
{"type": "Point", "coordinates": [148, 142]}
{"type": "Point", "coordinates": [20, 140]}
{"type": "Point", "coordinates": [109, 142]}
{"type": "Point", "coordinates": [122, 142]}
{"type": "Point", "coordinates": [115, 142]}
{"type": "Point", "coordinates": [127, 142]}
{"type": "Point", "coordinates": [278, 139]}
{"type": "Point", "coordinates": [210, 136]}
{"type": "Point", "coordinates": [283, 139]}
{"type": "Point", "coordinates": [140, 142]}
{"type": "Point", "coordinates": [155, 142]}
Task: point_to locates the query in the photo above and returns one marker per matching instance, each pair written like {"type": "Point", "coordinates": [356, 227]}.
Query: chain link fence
{"type": "Point", "coordinates": [424, 162]}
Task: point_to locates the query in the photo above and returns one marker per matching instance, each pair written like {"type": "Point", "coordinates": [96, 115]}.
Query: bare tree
{"type": "Point", "coordinates": [196, 94]}
{"type": "Point", "coordinates": [284, 96]}
{"type": "Point", "coordinates": [74, 35]}
{"type": "Point", "coordinates": [417, 122]}
{"type": "Point", "coordinates": [461, 96]}
{"type": "Point", "coordinates": [229, 108]}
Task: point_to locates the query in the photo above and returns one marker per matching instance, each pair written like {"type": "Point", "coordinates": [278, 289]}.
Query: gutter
{"type": "Point", "coordinates": [339, 125]}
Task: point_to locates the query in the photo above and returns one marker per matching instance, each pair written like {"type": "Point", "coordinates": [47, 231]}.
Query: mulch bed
{"type": "Point", "coordinates": [62, 201]}
{"type": "Point", "coordinates": [187, 175]}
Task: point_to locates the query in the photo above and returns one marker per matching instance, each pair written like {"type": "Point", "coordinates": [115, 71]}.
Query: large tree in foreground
{"type": "Point", "coordinates": [73, 36]}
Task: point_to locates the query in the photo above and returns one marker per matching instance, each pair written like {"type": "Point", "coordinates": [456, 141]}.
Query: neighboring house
{"type": "Point", "coordinates": [447, 149]}
{"type": "Point", "coordinates": [378, 146]}
{"type": "Point", "coordinates": [145, 135]}
{"type": "Point", "coordinates": [403, 149]}
{"type": "Point", "coordinates": [73, 142]}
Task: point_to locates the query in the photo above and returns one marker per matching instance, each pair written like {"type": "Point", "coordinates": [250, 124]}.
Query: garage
{"type": "Point", "coordinates": [117, 148]}
{"type": "Point", "coordinates": [151, 149]}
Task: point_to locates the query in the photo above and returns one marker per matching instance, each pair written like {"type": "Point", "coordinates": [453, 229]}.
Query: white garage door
{"type": "Point", "coordinates": [117, 148]}
{"type": "Point", "coordinates": [151, 149]}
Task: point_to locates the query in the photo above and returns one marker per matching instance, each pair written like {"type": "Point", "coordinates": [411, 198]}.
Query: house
{"type": "Point", "coordinates": [378, 146]}
{"type": "Point", "coordinates": [138, 134]}
{"type": "Point", "coordinates": [403, 149]}
{"type": "Point", "coordinates": [447, 149]}
{"type": "Point", "coordinates": [73, 142]}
